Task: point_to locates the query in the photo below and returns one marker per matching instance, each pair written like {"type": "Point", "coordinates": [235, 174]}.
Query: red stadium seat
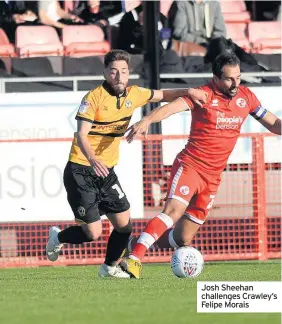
{"type": "Point", "coordinates": [238, 33]}
{"type": "Point", "coordinates": [32, 41]}
{"type": "Point", "coordinates": [82, 41]}
{"type": "Point", "coordinates": [232, 6]}
{"type": "Point", "coordinates": [265, 37]}
{"type": "Point", "coordinates": [235, 11]}
{"type": "Point", "coordinates": [6, 48]}
{"type": "Point", "coordinates": [237, 17]}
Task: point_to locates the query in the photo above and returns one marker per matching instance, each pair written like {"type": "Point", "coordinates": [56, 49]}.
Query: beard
{"type": "Point", "coordinates": [232, 92]}
{"type": "Point", "coordinates": [118, 89]}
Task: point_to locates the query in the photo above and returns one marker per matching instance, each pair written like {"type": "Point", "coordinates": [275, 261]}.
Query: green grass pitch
{"type": "Point", "coordinates": [75, 295]}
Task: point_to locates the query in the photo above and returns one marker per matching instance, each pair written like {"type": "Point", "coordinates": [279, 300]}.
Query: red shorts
{"type": "Point", "coordinates": [196, 191]}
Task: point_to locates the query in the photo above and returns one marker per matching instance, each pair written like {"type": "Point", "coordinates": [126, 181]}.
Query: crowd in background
{"type": "Point", "coordinates": [186, 20]}
{"type": "Point", "coordinates": [197, 26]}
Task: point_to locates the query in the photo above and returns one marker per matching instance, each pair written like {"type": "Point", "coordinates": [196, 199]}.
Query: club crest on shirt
{"type": "Point", "coordinates": [81, 211]}
{"type": "Point", "coordinates": [240, 102]}
{"type": "Point", "coordinates": [184, 190]}
{"type": "Point", "coordinates": [84, 106]}
{"type": "Point", "coordinates": [128, 104]}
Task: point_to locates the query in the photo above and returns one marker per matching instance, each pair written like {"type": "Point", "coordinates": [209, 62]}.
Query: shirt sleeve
{"type": "Point", "coordinates": [87, 108]}
{"type": "Point", "coordinates": [143, 96]}
{"type": "Point", "coordinates": [256, 109]}
{"type": "Point", "coordinates": [188, 102]}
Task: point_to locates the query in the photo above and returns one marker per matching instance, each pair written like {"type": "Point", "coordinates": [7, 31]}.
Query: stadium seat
{"type": "Point", "coordinates": [6, 48]}
{"type": "Point", "coordinates": [238, 33]}
{"type": "Point", "coordinates": [80, 41]}
{"type": "Point", "coordinates": [265, 37]}
{"type": "Point", "coordinates": [32, 41]}
{"type": "Point", "coordinates": [235, 11]}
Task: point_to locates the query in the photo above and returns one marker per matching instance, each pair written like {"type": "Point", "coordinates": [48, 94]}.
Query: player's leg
{"type": "Point", "coordinates": [117, 208]}
{"type": "Point", "coordinates": [188, 225]}
{"type": "Point", "coordinates": [119, 237]}
{"type": "Point", "coordinates": [82, 195]}
{"type": "Point", "coordinates": [194, 217]}
{"type": "Point", "coordinates": [161, 243]}
{"type": "Point", "coordinates": [184, 183]}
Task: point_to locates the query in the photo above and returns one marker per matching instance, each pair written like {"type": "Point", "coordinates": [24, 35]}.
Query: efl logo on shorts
{"type": "Point", "coordinates": [184, 190]}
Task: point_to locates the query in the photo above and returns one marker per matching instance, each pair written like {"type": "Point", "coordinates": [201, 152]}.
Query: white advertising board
{"type": "Point", "coordinates": [31, 182]}
{"type": "Point", "coordinates": [31, 173]}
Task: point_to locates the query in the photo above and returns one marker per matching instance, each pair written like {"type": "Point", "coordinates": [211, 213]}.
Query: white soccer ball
{"type": "Point", "coordinates": [187, 262]}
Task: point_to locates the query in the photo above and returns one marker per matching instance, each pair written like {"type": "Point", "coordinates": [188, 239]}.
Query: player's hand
{"type": "Point", "coordinates": [99, 167]}
{"type": "Point", "coordinates": [140, 128]}
{"type": "Point", "coordinates": [199, 97]}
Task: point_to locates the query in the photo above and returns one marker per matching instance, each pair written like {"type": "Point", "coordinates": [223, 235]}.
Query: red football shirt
{"type": "Point", "coordinates": [215, 128]}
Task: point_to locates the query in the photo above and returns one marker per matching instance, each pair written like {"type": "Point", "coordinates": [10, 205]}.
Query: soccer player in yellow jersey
{"type": "Point", "coordinates": [92, 186]}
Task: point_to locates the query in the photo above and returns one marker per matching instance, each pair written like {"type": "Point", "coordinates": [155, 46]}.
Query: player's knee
{"type": "Point", "coordinates": [173, 213]}
{"type": "Point", "coordinates": [127, 229]}
{"type": "Point", "coordinates": [174, 209]}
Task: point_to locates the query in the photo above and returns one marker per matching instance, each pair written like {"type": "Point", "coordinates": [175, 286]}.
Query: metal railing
{"type": "Point", "coordinates": [76, 79]}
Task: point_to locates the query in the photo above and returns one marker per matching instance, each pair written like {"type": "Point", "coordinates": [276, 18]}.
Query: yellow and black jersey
{"type": "Point", "coordinates": [110, 116]}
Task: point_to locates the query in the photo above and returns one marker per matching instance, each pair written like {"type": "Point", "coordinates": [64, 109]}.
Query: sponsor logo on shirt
{"type": "Point", "coordinates": [227, 122]}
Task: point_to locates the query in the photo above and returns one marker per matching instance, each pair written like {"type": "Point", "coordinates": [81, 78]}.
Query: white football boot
{"type": "Point", "coordinates": [53, 247]}
{"type": "Point", "coordinates": [106, 271]}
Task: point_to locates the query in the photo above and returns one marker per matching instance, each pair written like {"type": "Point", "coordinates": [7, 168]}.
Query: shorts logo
{"type": "Point", "coordinates": [84, 107]}
{"type": "Point", "coordinates": [184, 190]}
{"type": "Point", "coordinates": [240, 102]}
{"type": "Point", "coordinates": [81, 211]}
{"type": "Point", "coordinates": [128, 104]}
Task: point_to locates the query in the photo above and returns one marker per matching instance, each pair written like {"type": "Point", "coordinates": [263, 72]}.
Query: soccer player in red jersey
{"type": "Point", "coordinates": [196, 171]}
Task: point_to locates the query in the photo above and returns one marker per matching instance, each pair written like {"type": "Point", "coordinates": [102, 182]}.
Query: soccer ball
{"type": "Point", "coordinates": [187, 262]}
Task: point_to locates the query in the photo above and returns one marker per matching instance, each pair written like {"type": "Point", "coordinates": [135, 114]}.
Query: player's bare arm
{"type": "Point", "coordinates": [158, 114]}
{"type": "Point", "coordinates": [198, 96]}
{"type": "Point", "coordinates": [271, 122]}
{"type": "Point", "coordinates": [83, 128]}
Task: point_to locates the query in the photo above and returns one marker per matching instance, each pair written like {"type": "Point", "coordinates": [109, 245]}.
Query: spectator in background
{"type": "Point", "coordinates": [131, 31]}
{"type": "Point", "coordinates": [197, 22]}
{"type": "Point", "coordinates": [131, 39]}
{"type": "Point", "coordinates": [51, 13]}
{"type": "Point", "coordinates": [93, 13]}
{"type": "Point", "coordinates": [16, 13]}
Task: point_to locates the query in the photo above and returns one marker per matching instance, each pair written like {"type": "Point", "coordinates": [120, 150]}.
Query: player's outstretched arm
{"type": "Point", "coordinates": [158, 114]}
{"type": "Point", "coordinates": [83, 128]}
{"type": "Point", "coordinates": [271, 122]}
{"type": "Point", "coordinates": [197, 96]}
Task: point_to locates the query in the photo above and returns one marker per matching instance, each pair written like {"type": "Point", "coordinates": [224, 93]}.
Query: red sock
{"type": "Point", "coordinates": [153, 230]}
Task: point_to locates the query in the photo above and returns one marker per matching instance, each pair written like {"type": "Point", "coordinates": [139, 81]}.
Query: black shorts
{"type": "Point", "coordinates": [91, 196]}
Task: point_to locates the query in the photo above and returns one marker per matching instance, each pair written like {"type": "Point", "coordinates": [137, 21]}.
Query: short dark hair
{"type": "Point", "coordinates": [226, 58]}
{"type": "Point", "coordinates": [116, 55]}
